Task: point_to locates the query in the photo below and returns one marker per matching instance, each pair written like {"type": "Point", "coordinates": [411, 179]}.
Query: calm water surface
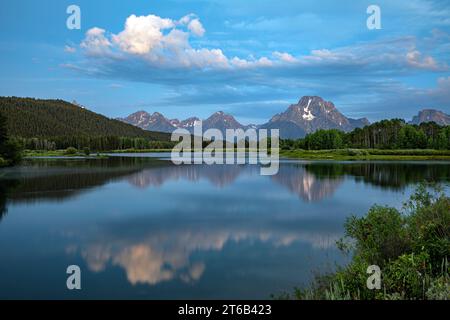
{"type": "Point", "coordinates": [140, 227]}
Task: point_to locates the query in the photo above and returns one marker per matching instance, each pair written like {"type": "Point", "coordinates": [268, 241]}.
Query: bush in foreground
{"type": "Point", "coordinates": [411, 247]}
{"type": "Point", "coordinates": [70, 151]}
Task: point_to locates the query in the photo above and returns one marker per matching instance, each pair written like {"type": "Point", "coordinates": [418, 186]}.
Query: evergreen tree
{"type": "Point", "coordinates": [10, 150]}
{"type": "Point", "coordinates": [3, 132]}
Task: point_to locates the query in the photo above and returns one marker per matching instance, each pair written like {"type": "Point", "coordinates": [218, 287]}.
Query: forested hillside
{"type": "Point", "coordinates": [36, 118]}
{"type": "Point", "coordinates": [56, 124]}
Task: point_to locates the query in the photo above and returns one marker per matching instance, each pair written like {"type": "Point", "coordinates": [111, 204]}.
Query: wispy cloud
{"type": "Point", "coordinates": [69, 49]}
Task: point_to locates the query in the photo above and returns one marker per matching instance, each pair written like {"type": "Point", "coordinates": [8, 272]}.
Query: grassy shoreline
{"type": "Point", "coordinates": [59, 153]}
{"type": "Point", "coordinates": [337, 154]}
{"type": "Point", "coordinates": [367, 154]}
{"type": "Point", "coordinates": [139, 151]}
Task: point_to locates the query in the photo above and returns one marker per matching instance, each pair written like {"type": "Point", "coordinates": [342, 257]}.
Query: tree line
{"type": "Point", "coordinates": [100, 143]}
{"type": "Point", "coordinates": [9, 149]}
{"type": "Point", "coordinates": [385, 134]}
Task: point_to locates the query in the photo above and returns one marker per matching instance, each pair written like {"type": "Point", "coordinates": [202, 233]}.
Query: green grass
{"type": "Point", "coordinates": [170, 150]}
{"type": "Point", "coordinates": [138, 151]}
{"type": "Point", "coordinates": [337, 154]}
{"type": "Point", "coordinates": [367, 154]}
{"type": "Point", "coordinates": [80, 153]}
{"type": "Point", "coordinates": [58, 153]}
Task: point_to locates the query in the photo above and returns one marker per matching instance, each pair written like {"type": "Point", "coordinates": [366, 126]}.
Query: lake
{"type": "Point", "coordinates": [140, 227]}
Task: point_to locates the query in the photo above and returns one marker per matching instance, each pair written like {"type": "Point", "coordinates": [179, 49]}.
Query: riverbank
{"type": "Point", "coordinates": [367, 154]}
{"type": "Point", "coordinates": [336, 154]}
{"type": "Point", "coordinates": [63, 153]}
{"type": "Point", "coordinates": [60, 153]}
{"type": "Point", "coordinates": [139, 151]}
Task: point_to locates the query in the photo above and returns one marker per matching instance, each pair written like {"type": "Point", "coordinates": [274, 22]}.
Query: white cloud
{"type": "Point", "coordinates": [415, 59]}
{"type": "Point", "coordinates": [95, 42]}
{"type": "Point", "coordinates": [142, 34]}
{"type": "Point", "coordinates": [323, 54]}
{"type": "Point", "coordinates": [207, 58]}
{"type": "Point", "coordinates": [240, 63]}
{"type": "Point", "coordinates": [165, 43]}
{"type": "Point", "coordinates": [284, 56]}
{"type": "Point", "coordinates": [187, 18]}
{"type": "Point", "coordinates": [69, 49]}
{"type": "Point", "coordinates": [196, 28]}
{"type": "Point", "coordinates": [176, 41]}
{"type": "Point", "coordinates": [264, 62]}
{"type": "Point", "coordinates": [193, 24]}
{"type": "Point", "coordinates": [152, 43]}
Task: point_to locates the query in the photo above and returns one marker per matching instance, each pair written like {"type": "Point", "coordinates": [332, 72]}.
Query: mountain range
{"type": "Point", "coordinates": [310, 114]}
{"type": "Point", "coordinates": [157, 122]}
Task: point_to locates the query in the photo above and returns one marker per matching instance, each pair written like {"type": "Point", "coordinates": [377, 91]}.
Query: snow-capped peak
{"type": "Point", "coordinates": [307, 115]}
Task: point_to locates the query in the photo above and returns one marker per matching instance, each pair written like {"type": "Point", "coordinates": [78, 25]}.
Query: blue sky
{"type": "Point", "coordinates": [249, 58]}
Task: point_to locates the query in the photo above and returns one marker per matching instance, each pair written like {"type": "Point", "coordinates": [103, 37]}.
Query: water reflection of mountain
{"type": "Point", "coordinates": [305, 184]}
{"type": "Point", "coordinates": [218, 175]}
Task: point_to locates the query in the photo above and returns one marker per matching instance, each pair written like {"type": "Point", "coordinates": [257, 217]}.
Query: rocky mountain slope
{"type": "Point", "coordinates": [429, 115]}
{"type": "Point", "coordinates": [157, 122]}
{"type": "Point", "coordinates": [310, 114]}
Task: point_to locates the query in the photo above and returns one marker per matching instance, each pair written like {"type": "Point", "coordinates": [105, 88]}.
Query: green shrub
{"type": "Point", "coordinates": [86, 151]}
{"type": "Point", "coordinates": [11, 150]}
{"type": "Point", "coordinates": [353, 279]}
{"type": "Point", "coordinates": [357, 152]}
{"type": "Point", "coordinates": [71, 151]}
{"type": "Point", "coordinates": [430, 230]}
{"type": "Point", "coordinates": [439, 289]}
{"type": "Point", "coordinates": [3, 162]}
{"type": "Point", "coordinates": [407, 275]}
{"type": "Point", "coordinates": [380, 236]}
